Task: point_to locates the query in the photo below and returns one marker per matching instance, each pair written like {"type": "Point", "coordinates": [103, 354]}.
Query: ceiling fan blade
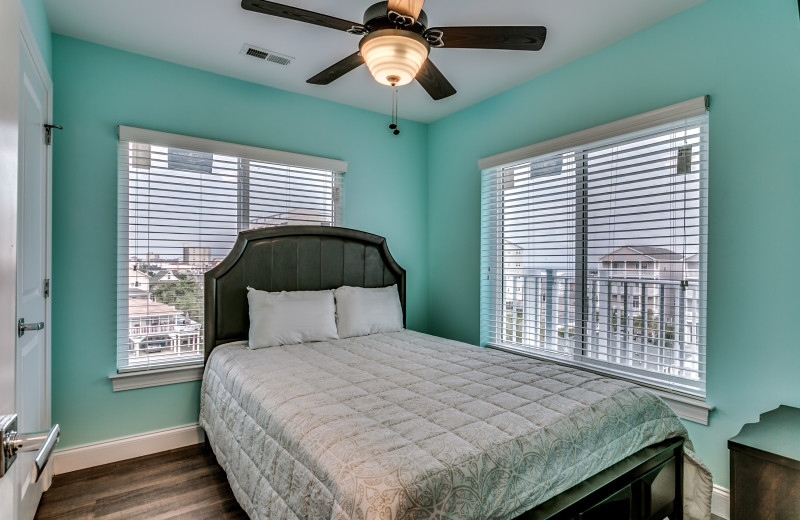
{"type": "Point", "coordinates": [406, 7]}
{"type": "Point", "coordinates": [517, 38]}
{"type": "Point", "coordinates": [337, 70]}
{"type": "Point", "coordinates": [434, 82]}
{"type": "Point", "coordinates": [295, 13]}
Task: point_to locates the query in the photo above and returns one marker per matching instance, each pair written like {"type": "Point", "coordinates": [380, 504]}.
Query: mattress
{"type": "Point", "coordinates": [404, 425]}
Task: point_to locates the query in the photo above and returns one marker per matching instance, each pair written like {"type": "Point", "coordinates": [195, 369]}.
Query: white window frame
{"type": "Point", "coordinates": [689, 404]}
{"type": "Point", "coordinates": [131, 377]}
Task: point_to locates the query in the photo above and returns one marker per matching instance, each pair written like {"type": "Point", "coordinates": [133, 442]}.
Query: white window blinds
{"type": "Point", "coordinates": [594, 249]}
{"type": "Point", "coordinates": [182, 201]}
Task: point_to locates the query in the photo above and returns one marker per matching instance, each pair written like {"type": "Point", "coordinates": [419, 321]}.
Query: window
{"type": "Point", "coordinates": [621, 195]}
{"type": "Point", "coordinates": [182, 201]}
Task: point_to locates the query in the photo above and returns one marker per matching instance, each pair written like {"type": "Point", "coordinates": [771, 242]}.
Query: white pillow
{"type": "Point", "coordinates": [361, 311]}
{"type": "Point", "coordinates": [286, 318]}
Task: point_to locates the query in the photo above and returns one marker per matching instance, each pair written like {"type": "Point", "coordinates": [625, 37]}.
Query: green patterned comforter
{"type": "Point", "coordinates": [405, 426]}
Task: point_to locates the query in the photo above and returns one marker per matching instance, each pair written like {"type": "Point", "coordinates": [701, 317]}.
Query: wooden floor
{"type": "Point", "coordinates": [184, 483]}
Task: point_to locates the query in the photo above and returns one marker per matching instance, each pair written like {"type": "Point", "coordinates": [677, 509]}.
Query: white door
{"type": "Point", "coordinates": [33, 244]}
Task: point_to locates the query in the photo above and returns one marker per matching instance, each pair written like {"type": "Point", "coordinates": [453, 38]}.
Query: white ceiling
{"type": "Point", "coordinates": [209, 34]}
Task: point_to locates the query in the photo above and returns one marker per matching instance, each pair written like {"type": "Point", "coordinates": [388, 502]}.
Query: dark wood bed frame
{"type": "Point", "coordinates": [648, 485]}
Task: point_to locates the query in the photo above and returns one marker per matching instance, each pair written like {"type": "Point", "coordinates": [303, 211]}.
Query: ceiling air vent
{"type": "Point", "coordinates": [257, 53]}
{"type": "Point", "coordinates": [263, 54]}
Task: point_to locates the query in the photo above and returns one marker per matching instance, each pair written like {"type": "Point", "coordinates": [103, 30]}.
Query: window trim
{"type": "Point", "coordinates": [133, 377]}
{"type": "Point", "coordinates": [199, 144]}
{"type": "Point", "coordinates": [685, 110]}
{"type": "Point", "coordinates": [131, 380]}
{"type": "Point", "coordinates": [691, 403]}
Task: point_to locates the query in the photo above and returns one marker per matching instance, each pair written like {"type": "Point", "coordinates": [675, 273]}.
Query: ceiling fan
{"type": "Point", "coordinates": [396, 41]}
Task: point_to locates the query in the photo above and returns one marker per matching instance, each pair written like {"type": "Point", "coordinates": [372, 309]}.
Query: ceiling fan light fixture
{"type": "Point", "coordinates": [396, 42]}
{"type": "Point", "coordinates": [394, 57]}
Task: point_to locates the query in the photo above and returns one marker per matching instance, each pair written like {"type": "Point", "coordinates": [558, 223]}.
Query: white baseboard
{"type": "Point", "coordinates": [721, 502]}
{"type": "Point", "coordinates": [115, 450]}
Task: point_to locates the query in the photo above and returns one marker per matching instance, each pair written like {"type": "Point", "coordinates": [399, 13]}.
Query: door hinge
{"type": "Point", "coordinates": [47, 287]}
{"type": "Point", "coordinates": [48, 132]}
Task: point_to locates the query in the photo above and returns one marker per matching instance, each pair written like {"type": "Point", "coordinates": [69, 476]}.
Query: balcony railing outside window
{"type": "Point", "coordinates": [661, 335]}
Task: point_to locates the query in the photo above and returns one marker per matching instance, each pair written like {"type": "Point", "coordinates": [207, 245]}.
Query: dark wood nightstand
{"type": "Point", "coordinates": [765, 467]}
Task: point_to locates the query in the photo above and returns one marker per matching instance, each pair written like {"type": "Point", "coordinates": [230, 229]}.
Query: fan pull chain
{"type": "Point", "coordinates": [393, 125]}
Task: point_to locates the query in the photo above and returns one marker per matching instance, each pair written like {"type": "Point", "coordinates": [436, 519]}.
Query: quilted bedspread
{"type": "Point", "coordinates": [406, 426]}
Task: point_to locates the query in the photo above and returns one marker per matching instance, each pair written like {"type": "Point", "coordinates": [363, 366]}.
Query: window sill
{"type": "Point", "coordinates": [686, 407]}
{"type": "Point", "coordinates": [148, 378]}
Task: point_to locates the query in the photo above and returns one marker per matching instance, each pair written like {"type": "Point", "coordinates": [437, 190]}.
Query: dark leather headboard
{"type": "Point", "coordinates": [292, 258]}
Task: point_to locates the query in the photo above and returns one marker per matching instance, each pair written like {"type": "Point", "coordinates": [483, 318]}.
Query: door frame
{"type": "Point", "coordinates": [9, 175]}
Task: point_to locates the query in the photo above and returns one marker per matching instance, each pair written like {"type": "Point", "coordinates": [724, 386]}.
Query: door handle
{"type": "Point", "coordinates": [23, 327]}
{"type": "Point", "coordinates": [13, 442]}
{"type": "Point", "coordinates": [46, 449]}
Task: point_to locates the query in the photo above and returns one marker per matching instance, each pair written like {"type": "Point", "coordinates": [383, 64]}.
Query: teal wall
{"type": "Point", "coordinates": [37, 17]}
{"type": "Point", "coordinates": [98, 88]}
{"type": "Point", "coordinates": [746, 55]}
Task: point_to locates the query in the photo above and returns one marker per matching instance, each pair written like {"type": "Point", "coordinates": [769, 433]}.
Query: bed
{"type": "Point", "coordinates": [404, 425]}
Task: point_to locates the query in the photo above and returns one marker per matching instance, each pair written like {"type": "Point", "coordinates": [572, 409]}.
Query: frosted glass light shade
{"type": "Point", "coordinates": [393, 55]}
